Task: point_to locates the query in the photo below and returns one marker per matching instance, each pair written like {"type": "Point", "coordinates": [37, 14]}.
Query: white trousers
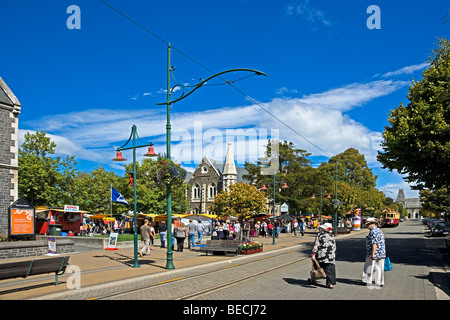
{"type": "Point", "coordinates": [368, 271]}
{"type": "Point", "coordinates": [146, 247]}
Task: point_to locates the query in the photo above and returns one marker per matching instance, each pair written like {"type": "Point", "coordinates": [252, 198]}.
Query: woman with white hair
{"type": "Point", "coordinates": [324, 251]}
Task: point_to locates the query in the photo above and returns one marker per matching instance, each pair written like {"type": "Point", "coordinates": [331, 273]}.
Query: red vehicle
{"type": "Point", "coordinates": [390, 219]}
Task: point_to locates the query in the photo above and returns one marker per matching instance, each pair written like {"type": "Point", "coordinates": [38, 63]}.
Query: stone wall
{"type": "Point", "coordinates": [19, 249]}
{"type": "Point", "coordinates": [9, 145]}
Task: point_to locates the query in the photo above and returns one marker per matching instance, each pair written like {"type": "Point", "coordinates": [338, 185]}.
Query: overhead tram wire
{"type": "Point", "coordinates": [230, 83]}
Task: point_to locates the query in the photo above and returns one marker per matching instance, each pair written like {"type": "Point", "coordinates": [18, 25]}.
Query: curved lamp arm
{"type": "Point", "coordinates": [206, 80]}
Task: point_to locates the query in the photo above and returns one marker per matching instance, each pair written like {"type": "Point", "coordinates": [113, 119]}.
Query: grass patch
{"type": "Point", "coordinates": [121, 238]}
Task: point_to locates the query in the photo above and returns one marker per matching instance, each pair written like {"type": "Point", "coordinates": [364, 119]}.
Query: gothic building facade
{"type": "Point", "coordinates": [9, 148]}
{"type": "Point", "coordinates": [209, 178]}
{"type": "Point", "coordinates": [412, 205]}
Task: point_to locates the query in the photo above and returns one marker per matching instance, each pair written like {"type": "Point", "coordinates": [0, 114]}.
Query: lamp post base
{"type": "Point", "coordinates": [169, 262]}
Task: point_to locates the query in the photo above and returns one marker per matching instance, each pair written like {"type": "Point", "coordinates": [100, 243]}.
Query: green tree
{"type": "Point", "coordinates": [242, 200]}
{"type": "Point", "coordinates": [92, 191]}
{"type": "Point", "coordinates": [435, 201]}
{"type": "Point", "coordinates": [355, 182]}
{"type": "Point", "coordinates": [151, 187]}
{"type": "Point", "coordinates": [351, 168]}
{"type": "Point", "coordinates": [417, 141]}
{"type": "Point", "coordinates": [293, 168]}
{"type": "Point", "coordinates": [43, 178]}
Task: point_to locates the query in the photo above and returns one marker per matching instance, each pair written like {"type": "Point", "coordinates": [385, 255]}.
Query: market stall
{"type": "Point", "coordinates": [67, 219]}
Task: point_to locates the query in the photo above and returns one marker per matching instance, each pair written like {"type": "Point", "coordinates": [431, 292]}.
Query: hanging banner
{"type": "Point", "coordinates": [112, 243]}
{"type": "Point", "coordinates": [51, 247]}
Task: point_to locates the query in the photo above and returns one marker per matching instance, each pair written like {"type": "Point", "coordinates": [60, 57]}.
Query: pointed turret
{"type": "Point", "coordinates": [400, 196]}
{"type": "Point", "coordinates": [229, 172]}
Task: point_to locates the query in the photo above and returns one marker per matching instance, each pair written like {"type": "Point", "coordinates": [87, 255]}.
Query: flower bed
{"type": "Point", "coordinates": [250, 247]}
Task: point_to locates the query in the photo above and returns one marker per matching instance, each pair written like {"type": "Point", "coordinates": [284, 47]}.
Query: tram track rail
{"type": "Point", "coordinates": [180, 280]}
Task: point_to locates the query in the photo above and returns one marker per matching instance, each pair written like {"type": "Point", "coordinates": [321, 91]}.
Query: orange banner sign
{"type": "Point", "coordinates": [22, 221]}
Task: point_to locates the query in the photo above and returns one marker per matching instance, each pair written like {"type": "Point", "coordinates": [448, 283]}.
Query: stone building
{"type": "Point", "coordinates": [412, 205]}
{"type": "Point", "coordinates": [9, 146]}
{"type": "Point", "coordinates": [209, 178]}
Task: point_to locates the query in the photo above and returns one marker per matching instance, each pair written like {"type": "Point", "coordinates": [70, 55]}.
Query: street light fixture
{"type": "Point", "coordinates": [168, 103]}
{"type": "Point", "coordinates": [317, 194]}
{"type": "Point", "coordinates": [120, 158]}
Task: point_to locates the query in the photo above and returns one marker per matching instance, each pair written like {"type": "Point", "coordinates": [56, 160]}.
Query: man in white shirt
{"type": "Point", "coordinates": [237, 230]}
{"type": "Point", "coordinates": [200, 230]}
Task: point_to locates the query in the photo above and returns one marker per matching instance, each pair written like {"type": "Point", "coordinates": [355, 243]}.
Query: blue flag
{"type": "Point", "coordinates": [117, 197]}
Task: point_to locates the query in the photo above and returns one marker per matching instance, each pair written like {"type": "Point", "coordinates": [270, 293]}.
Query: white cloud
{"type": "Point", "coordinates": [310, 14]}
{"type": "Point", "coordinates": [318, 118]}
{"type": "Point", "coordinates": [65, 146]}
{"type": "Point", "coordinates": [353, 95]}
{"type": "Point", "coordinates": [406, 70]}
{"type": "Point", "coordinates": [391, 190]}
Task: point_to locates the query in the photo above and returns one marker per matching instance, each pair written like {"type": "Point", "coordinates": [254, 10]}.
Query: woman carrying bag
{"type": "Point", "coordinates": [324, 253]}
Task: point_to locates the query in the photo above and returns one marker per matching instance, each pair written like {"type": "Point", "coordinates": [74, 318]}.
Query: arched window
{"type": "Point", "coordinates": [196, 191]}
{"type": "Point", "coordinates": [212, 190]}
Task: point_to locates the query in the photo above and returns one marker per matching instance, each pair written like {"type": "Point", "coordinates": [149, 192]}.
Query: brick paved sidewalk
{"type": "Point", "coordinates": [105, 266]}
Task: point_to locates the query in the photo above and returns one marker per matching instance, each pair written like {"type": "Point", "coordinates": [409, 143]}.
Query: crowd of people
{"type": "Point", "coordinates": [105, 226]}
{"type": "Point", "coordinates": [324, 249]}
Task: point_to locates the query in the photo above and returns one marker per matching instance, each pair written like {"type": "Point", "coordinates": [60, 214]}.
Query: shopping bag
{"type": "Point", "coordinates": [387, 264]}
{"type": "Point", "coordinates": [317, 272]}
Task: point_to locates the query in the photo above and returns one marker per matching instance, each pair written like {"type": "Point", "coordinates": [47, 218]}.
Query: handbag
{"type": "Point", "coordinates": [387, 264]}
{"type": "Point", "coordinates": [317, 272]}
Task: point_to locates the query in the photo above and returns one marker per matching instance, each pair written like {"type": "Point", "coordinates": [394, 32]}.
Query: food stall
{"type": "Point", "coordinates": [69, 218]}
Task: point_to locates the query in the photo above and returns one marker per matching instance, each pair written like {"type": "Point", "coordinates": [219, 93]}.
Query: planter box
{"type": "Point", "coordinates": [251, 251]}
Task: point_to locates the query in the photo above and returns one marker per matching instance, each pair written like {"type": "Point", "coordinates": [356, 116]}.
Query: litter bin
{"type": "Point", "coordinates": [55, 229]}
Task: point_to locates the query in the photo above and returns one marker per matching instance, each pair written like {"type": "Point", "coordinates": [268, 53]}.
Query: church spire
{"type": "Point", "coordinates": [229, 168]}
{"type": "Point", "coordinates": [229, 172]}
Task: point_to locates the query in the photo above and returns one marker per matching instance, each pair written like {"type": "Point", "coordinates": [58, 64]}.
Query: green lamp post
{"type": "Point", "coordinates": [119, 158]}
{"type": "Point", "coordinates": [264, 188]}
{"type": "Point", "coordinates": [320, 194]}
{"type": "Point", "coordinates": [335, 203]}
{"type": "Point", "coordinates": [168, 103]}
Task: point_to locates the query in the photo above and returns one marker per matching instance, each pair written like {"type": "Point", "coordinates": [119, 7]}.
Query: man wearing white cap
{"type": "Point", "coordinates": [375, 254]}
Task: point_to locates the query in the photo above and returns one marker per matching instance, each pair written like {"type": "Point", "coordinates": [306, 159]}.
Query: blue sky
{"type": "Point", "coordinates": [330, 78]}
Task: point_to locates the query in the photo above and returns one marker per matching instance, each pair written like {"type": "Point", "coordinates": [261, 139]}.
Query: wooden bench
{"type": "Point", "coordinates": [23, 269]}
{"type": "Point", "coordinates": [343, 230]}
{"type": "Point", "coordinates": [221, 246]}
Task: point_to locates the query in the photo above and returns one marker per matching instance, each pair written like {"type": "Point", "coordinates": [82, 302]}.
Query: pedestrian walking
{"type": "Point", "coordinates": [245, 229]}
{"type": "Point", "coordinates": [270, 228]}
{"type": "Point", "coordinates": [180, 235]}
{"type": "Point", "coordinates": [162, 229]}
{"type": "Point", "coordinates": [152, 234]}
{"type": "Point", "coordinates": [237, 230]}
{"type": "Point", "coordinates": [145, 237]}
{"type": "Point", "coordinates": [257, 228]}
{"type": "Point", "coordinates": [231, 234]}
{"type": "Point", "coordinates": [324, 251]}
{"type": "Point", "coordinates": [295, 227]}
{"type": "Point", "coordinates": [191, 233]}
{"type": "Point", "coordinates": [264, 229]}
{"type": "Point", "coordinates": [375, 254]}
{"type": "Point", "coordinates": [200, 230]}
{"type": "Point", "coordinates": [302, 228]}
{"type": "Point", "coordinates": [277, 228]}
